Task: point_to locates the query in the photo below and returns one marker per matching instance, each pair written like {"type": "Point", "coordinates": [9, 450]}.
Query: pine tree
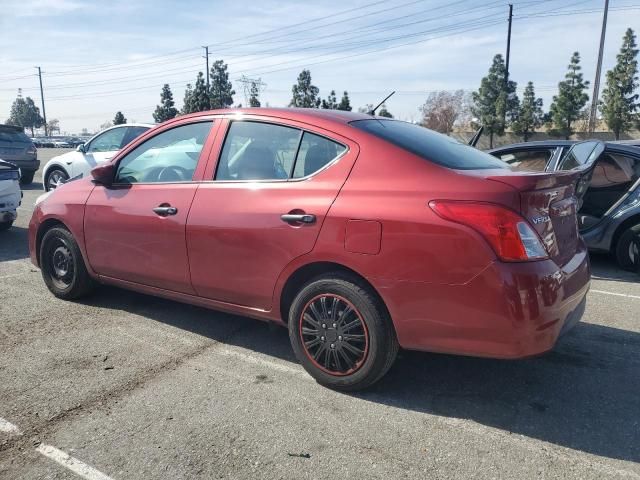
{"type": "Point", "coordinates": [331, 103]}
{"type": "Point", "coordinates": [200, 100]}
{"type": "Point", "coordinates": [570, 101]}
{"type": "Point", "coordinates": [529, 116]}
{"type": "Point", "coordinates": [495, 102]}
{"type": "Point", "coordinates": [305, 94]}
{"type": "Point", "coordinates": [119, 119]}
{"type": "Point", "coordinates": [166, 110]}
{"type": "Point", "coordinates": [254, 93]}
{"type": "Point", "coordinates": [25, 114]}
{"type": "Point", "coordinates": [384, 112]}
{"type": "Point", "coordinates": [619, 102]}
{"type": "Point", "coordinates": [221, 91]}
{"type": "Point", "coordinates": [345, 103]}
{"type": "Point", "coordinates": [188, 99]}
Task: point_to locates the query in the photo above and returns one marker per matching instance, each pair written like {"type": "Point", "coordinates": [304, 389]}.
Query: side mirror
{"type": "Point", "coordinates": [80, 148]}
{"type": "Point", "coordinates": [103, 174]}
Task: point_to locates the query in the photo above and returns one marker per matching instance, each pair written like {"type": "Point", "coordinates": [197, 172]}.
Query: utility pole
{"type": "Point", "coordinates": [206, 58]}
{"type": "Point", "coordinates": [596, 82]}
{"type": "Point", "coordinates": [44, 113]}
{"type": "Point", "coordinates": [506, 76]}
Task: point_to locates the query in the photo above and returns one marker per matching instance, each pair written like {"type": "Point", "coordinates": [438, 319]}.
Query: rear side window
{"type": "Point", "coordinates": [315, 153]}
{"type": "Point", "coordinates": [132, 134]}
{"type": "Point", "coordinates": [429, 145]}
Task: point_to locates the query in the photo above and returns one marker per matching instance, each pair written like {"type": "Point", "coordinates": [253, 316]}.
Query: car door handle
{"type": "Point", "coordinates": [165, 210]}
{"type": "Point", "coordinates": [298, 218]}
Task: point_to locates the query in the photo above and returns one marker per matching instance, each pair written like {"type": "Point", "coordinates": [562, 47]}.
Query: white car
{"type": "Point", "coordinates": [98, 150]}
{"type": "Point", "coordinates": [10, 194]}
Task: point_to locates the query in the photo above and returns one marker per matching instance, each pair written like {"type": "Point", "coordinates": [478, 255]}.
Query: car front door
{"type": "Point", "coordinates": [269, 195]}
{"type": "Point", "coordinates": [135, 228]}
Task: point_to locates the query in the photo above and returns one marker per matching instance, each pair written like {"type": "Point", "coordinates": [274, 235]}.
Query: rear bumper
{"type": "Point", "coordinates": [27, 165]}
{"type": "Point", "coordinates": [509, 310]}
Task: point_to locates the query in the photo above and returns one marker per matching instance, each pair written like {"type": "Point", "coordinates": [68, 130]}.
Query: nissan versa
{"type": "Point", "coordinates": [359, 233]}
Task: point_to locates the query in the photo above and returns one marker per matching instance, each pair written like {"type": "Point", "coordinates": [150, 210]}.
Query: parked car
{"type": "Point", "coordinates": [609, 216]}
{"type": "Point", "coordinates": [97, 150]}
{"type": "Point", "coordinates": [17, 148]}
{"type": "Point", "coordinates": [360, 233]}
{"type": "Point", "coordinates": [10, 194]}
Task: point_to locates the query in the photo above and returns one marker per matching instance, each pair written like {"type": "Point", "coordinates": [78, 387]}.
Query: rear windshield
{"type": "Point", "coordinates": [429, 145]}
{"type": "Point", "coordinates": [7, 135]}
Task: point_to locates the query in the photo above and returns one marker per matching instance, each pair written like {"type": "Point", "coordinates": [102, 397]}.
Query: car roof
{"type": "Point", "coordinates": [305, 115]}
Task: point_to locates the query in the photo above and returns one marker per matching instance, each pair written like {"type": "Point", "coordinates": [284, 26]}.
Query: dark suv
{"type": "Point", "coordinates": [17, 148]}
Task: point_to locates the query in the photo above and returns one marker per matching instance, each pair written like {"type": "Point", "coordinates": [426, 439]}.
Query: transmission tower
{"type": "Point", "coordinates": [247, 83]}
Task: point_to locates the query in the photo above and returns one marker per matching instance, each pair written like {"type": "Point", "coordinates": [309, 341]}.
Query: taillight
{"type": "Point", "coordinates": [32, 150]}
{"type": "Point", "coordinates": [509, 234]}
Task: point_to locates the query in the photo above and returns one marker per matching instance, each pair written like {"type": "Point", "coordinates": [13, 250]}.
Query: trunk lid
{"type": "Point", "coordinates": [549, 204]}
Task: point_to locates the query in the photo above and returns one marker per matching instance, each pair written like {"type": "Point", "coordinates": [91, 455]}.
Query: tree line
{"type": "Point", "coordinates": [496, 106]}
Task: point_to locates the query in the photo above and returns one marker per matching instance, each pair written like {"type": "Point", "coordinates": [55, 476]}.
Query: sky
{"type": "Point", "coordinates": [101, 57]}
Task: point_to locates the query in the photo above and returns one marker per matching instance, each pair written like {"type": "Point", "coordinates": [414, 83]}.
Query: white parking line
{"type": "Point", "coordinates": [71, 463]}
{"type": "Point", "coordinates": [615, 294]}
{"type": "Point", "coordinates": [8, 427]}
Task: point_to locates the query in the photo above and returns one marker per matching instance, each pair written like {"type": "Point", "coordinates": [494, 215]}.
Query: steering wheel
{"type": "Point", "coordinates": [174, 173]}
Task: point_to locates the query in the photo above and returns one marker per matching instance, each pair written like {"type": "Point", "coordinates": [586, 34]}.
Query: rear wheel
{"type": "Point", "coordinates": [628, 249]}
{"type": "Point", "coordinates": [55, 177]}
{"type": "Point", "coordinates": [27, 177]}
{"type": "Point", "coordinates": [5, 225]}
{"type": "Point", "coordinates": [341, 333]}
{"type": "Point", "coordinates": [63, 268]}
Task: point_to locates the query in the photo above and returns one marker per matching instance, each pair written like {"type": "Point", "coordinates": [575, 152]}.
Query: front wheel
{"type": "Point", "coordinates": [62, 265]}
{"type": "Point", "coordinates": [628, 249]}
{"type": "Point", "coordinates": [341, 333]}
{"type": "Point", "coordinates": [55, 177]}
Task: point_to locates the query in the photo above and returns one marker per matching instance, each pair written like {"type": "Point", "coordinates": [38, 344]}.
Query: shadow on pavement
{"type": "Point", "coordinates": [585, 395]}
{"type": "Point", "coordinates": [14, 244]}
{"type": "Point", "coordinates": [603, 267]}
{"type": "Point", "coordinates": [33, 186]}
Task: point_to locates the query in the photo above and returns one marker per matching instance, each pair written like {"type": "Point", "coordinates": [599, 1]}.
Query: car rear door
{"type": "Point", "coordinates": [270, 190]}
{"type": "Point", "coordinates": [135, 228]}
{"type": "Point", "coordinates": [582, 157]}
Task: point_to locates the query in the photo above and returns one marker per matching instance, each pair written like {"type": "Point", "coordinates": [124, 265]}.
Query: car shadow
{"type": "Point", "coordinates": [584, 395]}
{"type": "Point", "coordinates": [14, 244]}
{"type": "Point", "coordinates": [603, 267]}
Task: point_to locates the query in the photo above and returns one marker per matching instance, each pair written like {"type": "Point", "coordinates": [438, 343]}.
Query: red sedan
{"type": "Point", "coordinates": [360, 234]}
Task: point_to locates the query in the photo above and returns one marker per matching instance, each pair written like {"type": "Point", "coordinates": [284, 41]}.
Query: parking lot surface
{"type": "Point", "coordinates": [127, 386]}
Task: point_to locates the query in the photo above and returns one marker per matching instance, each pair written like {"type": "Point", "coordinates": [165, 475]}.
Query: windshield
{"type": "Point", "coordinates": [429, 145]}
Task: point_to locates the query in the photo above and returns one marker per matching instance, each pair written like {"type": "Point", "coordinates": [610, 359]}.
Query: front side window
{"type": "Point", "coordinates": [170, 156]}
{"type": "Point", "coordinates": [429, 145]}
{"type": "Point", "coordinates": [109, 141]}
{"type": "Point", "coordinates": [258, 151]}
{"type": "Point", "coordinates": [527, 160]}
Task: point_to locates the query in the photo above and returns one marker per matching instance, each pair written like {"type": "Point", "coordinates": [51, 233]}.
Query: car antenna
{"type": "Point", "coordinates": [373, 110]}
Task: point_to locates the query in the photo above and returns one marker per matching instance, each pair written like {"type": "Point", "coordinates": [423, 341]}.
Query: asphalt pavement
{"type": "Point", "coordinates": [126, 386]}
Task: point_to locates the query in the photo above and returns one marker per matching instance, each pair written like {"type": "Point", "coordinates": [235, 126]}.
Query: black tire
{"type": "Point", "coordinates": [27, 177]}
{"type": "Point", "coordinates": [62, 265]}
{"type": "Point", "coordinates": [5, 225]}
{"type": "Point", "coordinates": [362, 306]}
{"type": "Point", "coordinates": [627, 250]}
{"type": "Point", "coordinates": [53, 176]}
